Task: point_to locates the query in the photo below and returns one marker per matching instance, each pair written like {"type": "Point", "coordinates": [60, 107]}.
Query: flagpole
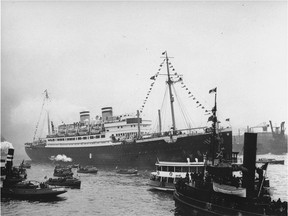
{"type": "Point", "coordinates": [262, 181]}
{"type": "Point", "coordinates": [214, 127]}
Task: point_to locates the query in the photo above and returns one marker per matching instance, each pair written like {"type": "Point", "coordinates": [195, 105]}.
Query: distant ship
{"type": "Point", "coordinates": [125, 140]}
{"type": "Point", "coordinates": [273, 141]}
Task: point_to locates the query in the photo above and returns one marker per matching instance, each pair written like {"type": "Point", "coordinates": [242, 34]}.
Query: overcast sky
{"type": "Point", "coordinates": [89, 55]}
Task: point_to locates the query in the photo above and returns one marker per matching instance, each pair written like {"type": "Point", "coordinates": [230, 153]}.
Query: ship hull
{"type": "Point", "coordinates": [140, 153]}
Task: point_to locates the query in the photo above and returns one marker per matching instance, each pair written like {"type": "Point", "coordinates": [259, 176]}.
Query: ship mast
{"type": "Point", "coordinates": [48, 119]}
{"type": "Point", "coordinates": [214, 140]}
{"type": "Point", "coordinates": [46, 97]}
{"type": "Point", "coordinates": [170, 82]}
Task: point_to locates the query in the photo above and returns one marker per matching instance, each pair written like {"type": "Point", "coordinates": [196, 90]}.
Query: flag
{"type": "Point", "coordinates": [213, 90]}
{"type": "Point", "coordinates": [152, 78]}
{"type": "Point", "coordinates": [210, 118]}
{"type": "Point", "coordinates": [46, 94]}
{"type": "Point", "coordinates": [163, 53]}
{"type": "Point", "coordinates": [264, 167]}
{"type": "Point", "coordinates": [228, 119]}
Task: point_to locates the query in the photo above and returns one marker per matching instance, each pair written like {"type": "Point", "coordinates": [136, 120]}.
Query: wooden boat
{"type": "Point", "coordinates": [83, 130]}
{"type": "Point", "coordinates": [31, 190]}
{"type": "Point", "coordinates": [168, 173]}
{"type": "Point", "coordinates": [270, 161]}
{"type": "Point", "coordinates": [229, 189]}
{"type": "Point", "coordinates": [127, 171]}
{"type": "Point", "coordinates": [25, 165]}
{"type": "Point", "coordinates": [64, 182]}
{"type": "Point", "coordinates": [87, 169]}
{"type": "Point", "coordinates": [61, 171]}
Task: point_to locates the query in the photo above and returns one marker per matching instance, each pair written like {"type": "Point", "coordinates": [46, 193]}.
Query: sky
{"type": "Point", "coordinates": [92, 54]}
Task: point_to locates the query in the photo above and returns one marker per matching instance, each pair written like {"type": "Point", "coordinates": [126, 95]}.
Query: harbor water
{"type": "Point", "coordinates": [109, 193]}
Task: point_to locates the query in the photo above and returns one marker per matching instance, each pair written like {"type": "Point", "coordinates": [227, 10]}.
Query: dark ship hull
{"type": "Point", "coordinates": [45, 193]}
{"type": "Point", "coordinates": [209, 207]}
{"type": "Point", "coordinates": [140, 153]}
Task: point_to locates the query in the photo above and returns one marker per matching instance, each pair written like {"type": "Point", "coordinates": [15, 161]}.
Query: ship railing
{"type": "Point", "coordinates": [180, 132]}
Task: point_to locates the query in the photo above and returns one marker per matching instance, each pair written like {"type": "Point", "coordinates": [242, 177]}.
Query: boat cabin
{"type": "Point", "coordinates": [168, 173]}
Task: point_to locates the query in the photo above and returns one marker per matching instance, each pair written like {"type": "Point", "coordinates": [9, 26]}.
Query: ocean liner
{"type": "Point", "coordinates": [125, 140]}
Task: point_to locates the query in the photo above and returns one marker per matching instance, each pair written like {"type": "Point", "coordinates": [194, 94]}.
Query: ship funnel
{"type": "Point", "coordinates": [85, 116]}
{"type": "Point", "coordinates": [249, 160]}
{"type": "Point", "coordinates": [107, 113]}
{"type": "Point", "coordinates": [9, 161]}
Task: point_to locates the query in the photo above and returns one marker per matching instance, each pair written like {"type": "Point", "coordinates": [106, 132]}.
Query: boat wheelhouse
{"type": "Point", "coordinates": [168, 173]}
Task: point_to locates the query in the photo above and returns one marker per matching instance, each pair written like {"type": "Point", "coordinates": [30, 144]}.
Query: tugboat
{"type": "Point", "coordinates": [219, 192]}
{"type": "Point", "coordinates": [168, 173]}
{"type": "Point", "coordinates": [14, 186]}
{"type": "Point", "coordinates": [31, 190]}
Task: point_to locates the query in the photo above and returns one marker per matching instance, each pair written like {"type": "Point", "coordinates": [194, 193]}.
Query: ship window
{"type": "Point", "coordinates": [184, 169]}
{"type": "Point", "coordinates": [102, 136]}
{"type": "Point", "coordinates": [97, 137]}
{"type": "Point", "coordinates": [158, 168]}
{"type": "Point", "coordinates": [171, 169]}
{"type": "Point", "coordinates": [84, 138]}
{"type": "Point", "coordinates": [79, 138]}
{"type": "Point", "coordinates": [193, 169]}
{"type": "Point", "coordinates": [177, 169]}
{"type": "Point", "coordinates": [91, 137]}
{"type": "Point", "coordinates": [164, 168]}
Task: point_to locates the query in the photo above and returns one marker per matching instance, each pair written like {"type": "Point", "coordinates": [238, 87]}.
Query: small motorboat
{"type": "Point", "coordinates": [87, 169]}
{"type": "Point", "coordinates": [70, 182]}
{"type": "Point", "coordinates": [31, 190]}
{"type": "Point", "coordinates": [270, 161]}
{"type": "Point", "coordinates": [127, 171]}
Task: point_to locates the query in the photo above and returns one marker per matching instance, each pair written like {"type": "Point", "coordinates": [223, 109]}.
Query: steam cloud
{"type": "Point", "coordinates": [63, 158]}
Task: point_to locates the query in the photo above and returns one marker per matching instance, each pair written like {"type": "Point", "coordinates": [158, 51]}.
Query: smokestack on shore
{"type": "Point", "coordinates": [249, 160]}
